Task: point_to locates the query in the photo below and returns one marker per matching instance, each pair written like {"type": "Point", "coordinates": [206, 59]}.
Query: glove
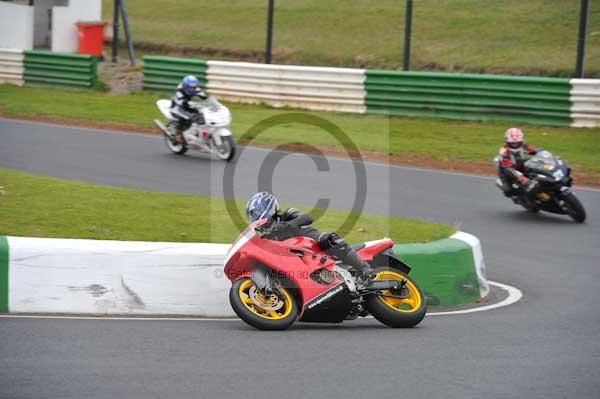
{"type": "Point", "coordinates": [276, 227]}
{"type": "Point", "coordinates": [523, 180]}
{"type": "Point", "coordinates": [531, 185]}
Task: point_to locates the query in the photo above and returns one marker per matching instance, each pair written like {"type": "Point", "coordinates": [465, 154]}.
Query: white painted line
{"type": "Point", "coordinates": [139, 318]}
{"type": "Point", "coordinates": [514, 295]}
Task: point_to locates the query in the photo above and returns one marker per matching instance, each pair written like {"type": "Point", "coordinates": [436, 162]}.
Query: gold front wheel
{"type": "Point", "coordinates": [275, 311]}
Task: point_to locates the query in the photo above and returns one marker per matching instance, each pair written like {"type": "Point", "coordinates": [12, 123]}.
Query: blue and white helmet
{"type": "Point", "coordinates": [190, 85]}
{"type": "Point", "coordinates": [262, 205]}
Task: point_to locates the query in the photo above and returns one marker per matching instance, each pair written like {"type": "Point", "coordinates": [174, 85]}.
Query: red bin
{"type": "Point", "coordinates": [90, 37]}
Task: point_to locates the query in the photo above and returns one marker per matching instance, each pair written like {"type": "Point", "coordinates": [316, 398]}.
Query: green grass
{"type": "Point", "coordinates": [509, 36]}
{"type": "Point", "coordinates": [421, 137]}
{"type": "Point", "coordinates": [37, 206]}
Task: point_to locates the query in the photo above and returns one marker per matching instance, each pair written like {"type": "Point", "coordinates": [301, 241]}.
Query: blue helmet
{"type": "Point", "coordinates": [261, 205]}
{"type": "Point", "coordinates": [190, 85]}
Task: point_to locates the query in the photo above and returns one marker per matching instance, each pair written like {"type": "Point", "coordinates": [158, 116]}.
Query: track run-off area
{"type": "Point", "coordinates": [543, 345]}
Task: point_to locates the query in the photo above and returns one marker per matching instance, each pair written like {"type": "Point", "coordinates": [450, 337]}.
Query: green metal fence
{"type": "Point", "coordinates": [469, 96]}
{"type": "Point", "coordinates": [45, 68]}
{"type": "Point", "coordinates": [165, 73]}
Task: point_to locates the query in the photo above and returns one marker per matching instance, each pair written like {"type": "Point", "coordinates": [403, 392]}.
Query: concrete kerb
{"type": "Point", "coordinates": [49, 276]}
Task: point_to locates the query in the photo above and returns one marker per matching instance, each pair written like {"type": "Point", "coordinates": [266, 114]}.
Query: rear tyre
{"type": "Point", "coordinates": [396, 312]}
{"type": "Point", "coordinates": [176, 148]}
{"type": "Point", "coordinates": [276, 312]}
{"type": "Point", "coordinates": [574, 208]}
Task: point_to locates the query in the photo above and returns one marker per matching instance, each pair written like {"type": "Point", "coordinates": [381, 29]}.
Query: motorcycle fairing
{"type": "Point", "coordinates": [292, 259]}
{"type": "Point", "coordinates": [374, 248]}
{"type": "Point", "coordinates": [332, 306]}
{"type": "Point", "coordinates": [388, 258]}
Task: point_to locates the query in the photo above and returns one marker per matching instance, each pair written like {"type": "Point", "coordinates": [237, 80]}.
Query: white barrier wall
{"type": "Point", "coordinates": [475, 244]}
{"type": "Point", "coordinates": [45, 275]}
{"type": "Point", "coordinates": [64, 31]}
{"type": "Point", "coordinates": [117, 277]}
{"type": "Point", "coordinates": [318, 88]}
{"type": "Point", "coordinates": [585, 102]}
{"type": "Point", "coordinates": [16, 26]}
{"type": "Point", "coordinates": [11, 66]}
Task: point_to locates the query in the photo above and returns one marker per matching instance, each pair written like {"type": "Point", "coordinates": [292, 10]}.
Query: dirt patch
{"type": "Point", "coordinates": [421, 161]}
{"type": "Point", "coordinates": [121, 76]}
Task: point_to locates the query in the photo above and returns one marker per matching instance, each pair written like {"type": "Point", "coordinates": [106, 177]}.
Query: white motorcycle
{"type": "Point", "coordinates": [213, 136]}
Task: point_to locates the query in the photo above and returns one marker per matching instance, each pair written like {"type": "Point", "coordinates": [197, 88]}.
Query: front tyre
{"type": "Point", "coordinates": [274, 312]}
{"type": "Point", "coordinates": [397, 309]}
{"type": "Point", "coordinates": [574, 208]}
{"type": "Point", "coordinates": [226, 151]}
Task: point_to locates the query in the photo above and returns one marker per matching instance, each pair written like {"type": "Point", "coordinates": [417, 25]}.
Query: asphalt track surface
{"type": "Point", "coordinates": [544, 346]}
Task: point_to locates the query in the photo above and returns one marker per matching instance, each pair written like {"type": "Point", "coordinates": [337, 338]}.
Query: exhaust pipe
{"type": "Point", "coordinates": [162, 127]}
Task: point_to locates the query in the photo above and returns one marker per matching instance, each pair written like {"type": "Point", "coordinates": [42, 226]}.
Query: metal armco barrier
{"type": "Point", "coordinates": [45, 68]}
{"type": "Point", "coordinates": [535, 100]}
{"type": "Point", "coordinates": [11, 66]}
{"type": "Point", "coordinates": [165, 73]}
{"type": "Point", "coordinates": [469, 96]}
{"type": "Point", "coordinates": [585, 100]}
{"type": "Point", "coordinates": [319, 88]}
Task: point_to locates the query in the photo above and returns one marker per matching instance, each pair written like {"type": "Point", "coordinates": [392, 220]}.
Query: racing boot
{"type": "Point", "coordinates": [502, 185]}
{"type": "Point", "coordinates": [337, 247]}
{"type": "Point", "coordinates": [365, 273]}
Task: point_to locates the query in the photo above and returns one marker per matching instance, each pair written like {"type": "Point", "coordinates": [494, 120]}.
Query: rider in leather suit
{"type": "Point", "coordinates": [293, 223]}
{"type": "Point", "coordinates": [180, 103]}
{"type": "Point", "coordinates": [512, 159]}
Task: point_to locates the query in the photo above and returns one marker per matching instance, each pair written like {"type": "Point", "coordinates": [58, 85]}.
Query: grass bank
{"type": "Point", "coordinates": [39, 206]}
{"type": "Point", "coordinates": [534, 37]}
{"type": "Point", "coordinates": [435, 141]}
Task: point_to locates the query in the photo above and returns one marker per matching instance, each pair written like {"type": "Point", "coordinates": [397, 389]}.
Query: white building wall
{"type": "Point", "coordinates": [16, 26]}
{"type": "Point", "coordinates": [42, 14]}
{"type": "Point", "coordinates": [64, 31]}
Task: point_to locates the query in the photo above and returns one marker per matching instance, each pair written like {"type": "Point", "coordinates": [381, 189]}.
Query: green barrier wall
{"type": "Point", "coordinates": [45, 68]}
{"type": "Point", "coordinates": [165, 73]}
{"type": "Point", "coordinates": [3, 275]}
{"type": "Point", "coordinates": [469, 96]}
{"type": "Point", "coordinates": [445, 270]}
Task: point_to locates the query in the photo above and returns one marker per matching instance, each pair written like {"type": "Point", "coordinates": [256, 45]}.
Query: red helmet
{"type": "Point", "coordinates": [514, 138]}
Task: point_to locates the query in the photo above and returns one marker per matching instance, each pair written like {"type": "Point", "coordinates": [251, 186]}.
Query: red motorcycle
{"type": "Point", "coordinates": [275, 283]}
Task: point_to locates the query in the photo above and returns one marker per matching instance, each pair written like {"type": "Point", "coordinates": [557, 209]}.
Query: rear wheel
{"type": "Point", "coordinates": [277, 311]}
{"type": "Point", "coordinates": [172, 144]}
{"type": "Point", "coordinates": [574, 208]}
{"type": "Point", "coordinates": [397, 309]}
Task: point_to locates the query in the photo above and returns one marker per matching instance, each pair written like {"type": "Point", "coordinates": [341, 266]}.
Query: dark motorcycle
{"type": "Point", "coordinates": [552, 192]}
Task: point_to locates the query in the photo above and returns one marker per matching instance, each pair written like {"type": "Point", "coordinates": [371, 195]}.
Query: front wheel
{"type": "Point", "coordinates": [277, 311]}
{"type": "Point", "coordinates": [574, 208]}
{"type": "Point", "coordinates": [402, 309]}
{"type": "Point", "coordinates": [226, 151]}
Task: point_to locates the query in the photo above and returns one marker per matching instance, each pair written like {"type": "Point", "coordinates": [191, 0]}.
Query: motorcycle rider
{"type": "Point", "coordinates": [512, 161]}
{"type": "Point", "coordinates": [292, 223]}
{"type": "Point", "coordinates": [180, 104]}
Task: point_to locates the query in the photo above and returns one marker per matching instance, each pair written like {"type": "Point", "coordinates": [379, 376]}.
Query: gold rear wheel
{"type": "Point", "coordinates": [411, 303]}
{"type": "Point", "coordinates": [397, 308]}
